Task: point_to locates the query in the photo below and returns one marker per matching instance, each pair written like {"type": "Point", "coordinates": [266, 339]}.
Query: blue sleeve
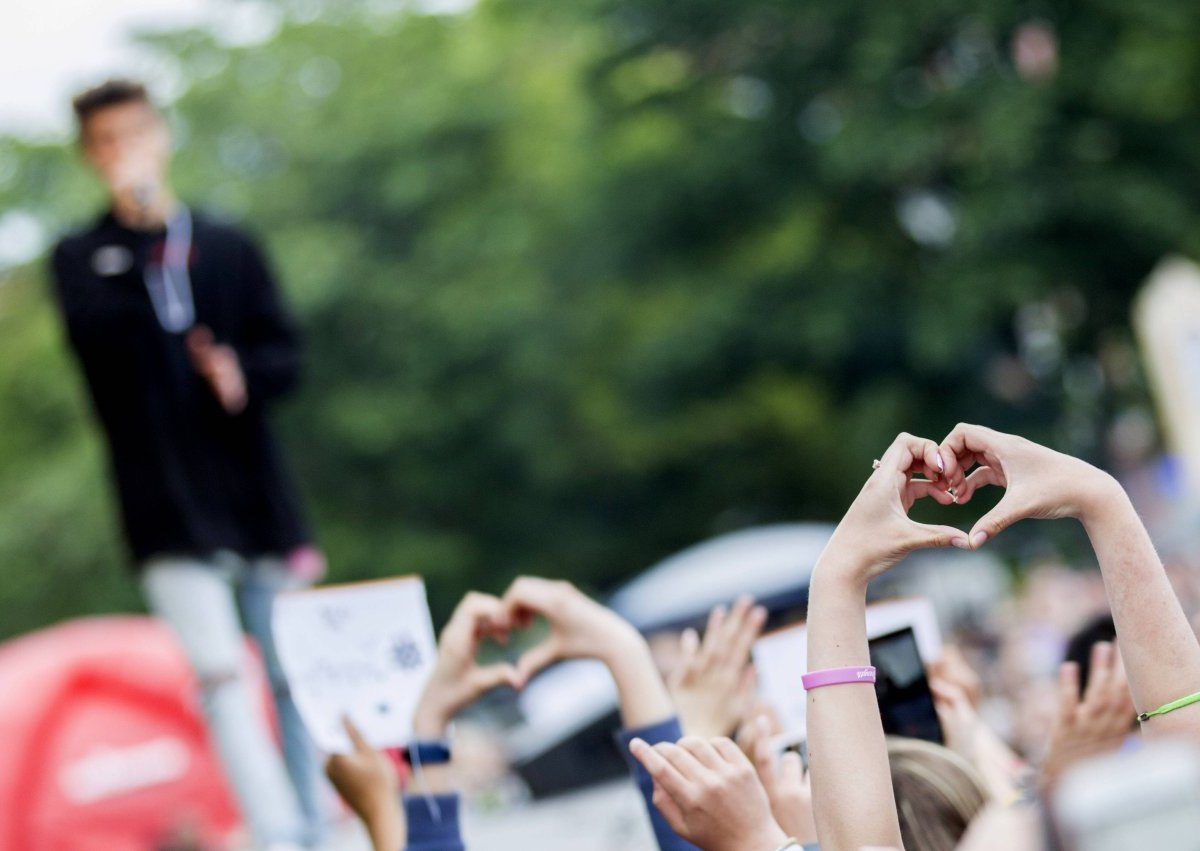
{"type": "Point", "coordinates": [433, 823]}
{"type": "Point", "coordinates": [664, 731]}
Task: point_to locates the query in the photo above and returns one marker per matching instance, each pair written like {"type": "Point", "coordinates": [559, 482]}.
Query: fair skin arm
{"type": "Point", "coordinates": [581, 628]}
{"type": "Point", "coordinates": [1159, 649]}
{"type": "Point", "coordinates": [957, 691]}
{"type": "Point", "coordinates": [967, 735]}
{"type": "Point", "coordinates": [713, 685]}
{"type": "Point", "coordinates": [458, 680]}
{"type": "Point", "coordinates": [851, 781]}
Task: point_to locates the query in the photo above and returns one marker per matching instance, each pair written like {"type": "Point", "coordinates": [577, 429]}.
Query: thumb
{"type": "Point", "coordinates": [536, 658]}
{"type": "Point", "coordinates": [931, 536]}
{"type": "Point", "coordinates": [493, 676]}
{"type": "Point", "coordinates": [993, 523]}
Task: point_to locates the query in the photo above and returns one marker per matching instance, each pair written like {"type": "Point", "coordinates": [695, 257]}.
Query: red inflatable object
{"type": "Point", "coordinates": [105, 748]}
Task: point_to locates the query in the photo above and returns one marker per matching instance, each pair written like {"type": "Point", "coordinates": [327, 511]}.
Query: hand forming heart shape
{"type": "Point", "coordinates": [1039, 483]}
{"type": "Point", "coordinates": [579, 627]}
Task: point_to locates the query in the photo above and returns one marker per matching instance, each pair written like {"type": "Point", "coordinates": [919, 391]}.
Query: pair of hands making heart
{"type": "Point", "coordinates": [1039, 483]}
{"type": "Point", "coordinates": [579, 627]}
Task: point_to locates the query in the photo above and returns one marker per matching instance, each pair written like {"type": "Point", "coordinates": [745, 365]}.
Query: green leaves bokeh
{"type": "Point", "coordinates": [586, 283]}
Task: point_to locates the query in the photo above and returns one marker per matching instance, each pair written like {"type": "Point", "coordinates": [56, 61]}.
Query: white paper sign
{"type": "Point", "coordinates": [781, 657]}
{"type": "Point", "coordinates": [362, 650]}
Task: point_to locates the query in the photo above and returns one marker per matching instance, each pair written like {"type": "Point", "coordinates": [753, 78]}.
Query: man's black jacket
{"type": "Point", "coordinates": [192, 479]}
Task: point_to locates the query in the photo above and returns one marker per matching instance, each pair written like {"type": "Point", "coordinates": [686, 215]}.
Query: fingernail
{"type": "Point", "coordinates": [941, 463]}
{"type": "Point", "coordinates": [637, 745]}
{"type": "Point", "coordinates": [978, 539]}
{"type": "Point", "coordinates": [961, 543]}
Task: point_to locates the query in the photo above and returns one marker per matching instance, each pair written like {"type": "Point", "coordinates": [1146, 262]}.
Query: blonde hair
{"type": "Point", "coordinates": [937, 793]}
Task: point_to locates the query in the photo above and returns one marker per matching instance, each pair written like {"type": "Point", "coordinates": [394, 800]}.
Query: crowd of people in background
{"type": "Point", "coordinates": [183, 342]}
{"type": "Point", "coordinates": [700, 749]}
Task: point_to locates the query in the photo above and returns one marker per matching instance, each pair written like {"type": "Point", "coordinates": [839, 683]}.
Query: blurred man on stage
{"type": "Point", "coordinates": [183, 341]}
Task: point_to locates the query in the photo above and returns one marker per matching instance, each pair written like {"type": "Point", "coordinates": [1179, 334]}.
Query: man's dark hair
{"type": "Point", "coordinates": [109, 93]}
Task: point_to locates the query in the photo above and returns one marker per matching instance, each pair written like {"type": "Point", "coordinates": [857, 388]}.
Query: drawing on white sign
{"type": "Point", "coordinates": [362, 651]}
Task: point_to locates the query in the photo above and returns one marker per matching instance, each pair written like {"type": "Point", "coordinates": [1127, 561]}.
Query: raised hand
{"type": "Point", "coordinates": [457, 679]}
{"type": "Point", "coordinates": [876, 531]}
{"type": "Point", "coordinates": [953, 669]}
{"type": "Point", "coordinates": [1098, 722]}
{"type": "Point", "coordinates": [967, 735]}
{"type": "Point", "coordinates": [218, 364]}
{"type": "Point", "coordinates": [710, 794]}
{"type": "Point", "coordinates": [581, 628]}
{"type": "Point", "coordinates": [1038, 482]}
{"type": "Point", "coordinates": [367, 781]}
{"type": "Point", "coordinates": [786, 781]}
{"type": "Point", "coordinates": [852, 787]}
{"type": "Point", "coordinates": [713, 684]}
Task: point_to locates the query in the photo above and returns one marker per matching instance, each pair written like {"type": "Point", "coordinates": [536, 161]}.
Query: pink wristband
{"type": "Point", "coordinates": [838, 676]}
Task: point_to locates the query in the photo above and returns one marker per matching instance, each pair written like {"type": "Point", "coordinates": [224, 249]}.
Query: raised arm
{"type": "Point", "coordinates": [581, 628]}
{"type": "Point", "coordinates": [851, 781]}
{"type": "Point", "coordinates": [1159, 649]}
{"type": "Point", "coordinates": [712, 686]}
{"type": "Point", "coordinates": [457, 681]}
{"type": "Point", "coordinates": [366, 780]}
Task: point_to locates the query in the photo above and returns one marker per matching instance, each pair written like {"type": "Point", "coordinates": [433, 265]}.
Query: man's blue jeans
{"type": "Point", "coordinates": [201, 599]}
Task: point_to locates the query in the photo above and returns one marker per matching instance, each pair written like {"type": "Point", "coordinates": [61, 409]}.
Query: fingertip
{"type": "Point", "coordinates": [978, 539]}
{"type": "Point", "coordinates": [1068, 676]}
{"type": "Point", "coordinates": [1101, 651]}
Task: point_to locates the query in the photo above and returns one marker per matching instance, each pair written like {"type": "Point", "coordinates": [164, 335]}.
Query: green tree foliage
{"type": "Point", "coordinates": [584, 283]}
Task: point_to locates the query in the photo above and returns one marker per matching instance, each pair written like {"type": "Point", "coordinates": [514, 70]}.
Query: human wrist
{"type": "Point", "coordinates": [431, 721]}
{"type": "Point", "coordinates": [1102, 500]}
{"type": "Point", "coordinates": [618, 642]}
{"type": "Point", "coordinates": [840, 575]}
{"type": "Point", "coordinates": [642, 695]}
{"type": "Point", "coordinates": [772, 839]}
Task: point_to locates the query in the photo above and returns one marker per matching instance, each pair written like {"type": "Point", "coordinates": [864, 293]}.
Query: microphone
{"type": "Point", "coordinates": [144, 193]}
